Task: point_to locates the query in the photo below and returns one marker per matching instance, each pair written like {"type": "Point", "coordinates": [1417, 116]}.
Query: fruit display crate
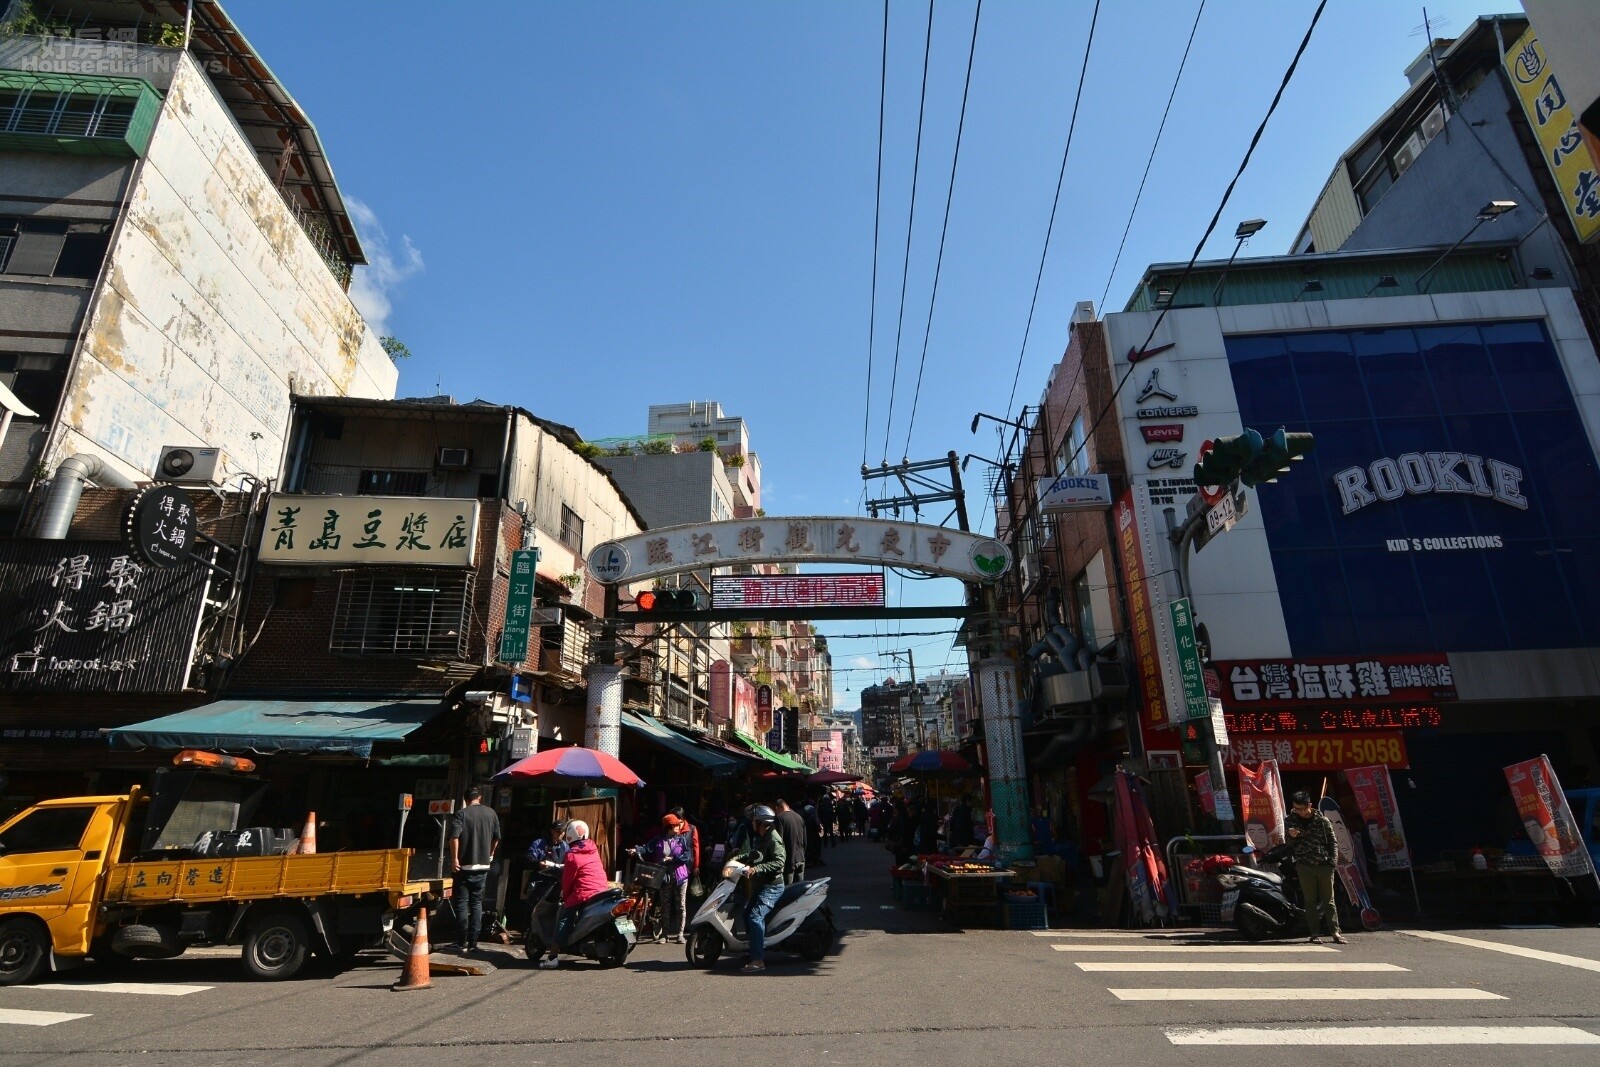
{"type": "Point", "coordinates": [1025, 915]}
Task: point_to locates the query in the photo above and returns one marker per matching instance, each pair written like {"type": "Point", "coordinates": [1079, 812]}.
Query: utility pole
{"type": "Point", "coordinates": [915, 696]}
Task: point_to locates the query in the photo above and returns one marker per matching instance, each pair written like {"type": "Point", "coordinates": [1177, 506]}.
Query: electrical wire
{"type": "Point", "coordinates": [1055, 204]}
{"type": "Point", "coordinates": [911, 223]}
{"type": "Point", "coordinates": [1160, 128]}
{"type": "Point", "coordinates": [877, 217]}
{"type": "Point", "coordinates": [1227, 193]}
{"type": "Point", "coordinates": [944, 228]}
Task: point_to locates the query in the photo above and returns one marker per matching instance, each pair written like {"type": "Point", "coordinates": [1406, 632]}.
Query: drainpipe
{"type": "Point", "coordinates": [66, 488]}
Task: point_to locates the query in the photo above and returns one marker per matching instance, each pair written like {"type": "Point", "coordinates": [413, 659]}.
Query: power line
{"type": "Point", "coordinates": [944, 227]}
{"type": "Point", "coordinates": [1055, 204]}
{"type": "Point", "coordinates": [1227, 193]}
{"type": "Point", "coordinates": [1117, 260]}
{"type": "Point", "coordinates": [877, 217]}
{"type": "Point", "coordinates": [911, 222]}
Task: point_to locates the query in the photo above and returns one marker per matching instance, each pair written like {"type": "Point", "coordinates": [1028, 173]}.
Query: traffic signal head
{"type": "Point", "coordinates": [1227, 458]}
{"type": "Point", "coordinates": [658, 600]}
{"type": "Point", "coordinates": [1278, 453]}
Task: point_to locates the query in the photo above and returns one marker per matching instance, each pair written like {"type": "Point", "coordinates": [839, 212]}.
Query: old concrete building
{"type": "Point", "coordinates": [174, 249]}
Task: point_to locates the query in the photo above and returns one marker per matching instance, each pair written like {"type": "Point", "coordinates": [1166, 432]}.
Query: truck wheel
{"type": "Point", "coordinates": [276, 946]}
{"type": "Point", "coordinates": [24, 951]}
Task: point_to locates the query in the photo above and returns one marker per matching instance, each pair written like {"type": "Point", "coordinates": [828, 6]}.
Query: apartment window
{"type": "Point", "coordinates": [1073, 457]}
{"type": "Point", "coordinates": [393, 483]}
{"type": "Point", "coordinates": [571, 530]}
{"type": "Point", "coordinates": [52, 248]}
{"type": "Point", "coordinates": [419, 613]}
{"type": "Point", "coordinates": [64, 114]}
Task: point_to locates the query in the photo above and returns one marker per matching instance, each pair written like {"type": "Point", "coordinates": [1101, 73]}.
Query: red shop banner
{"type": "Point", "coordinates": [1298, 683]}
{"type": "Point", "coordinates": [1335, 720]}
{"type": "Point", "coordinates": [1140, 607]}
{"type": "Point", "coordinates": [1324, 751]}
{"type": "Point", "coordinates": [1548, 817]}
{"type": "Point", "coordinates": [1374, 794]}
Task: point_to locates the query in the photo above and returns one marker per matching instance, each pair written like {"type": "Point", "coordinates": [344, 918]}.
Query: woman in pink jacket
{"type": "Point", "coordinates": [582, 878]}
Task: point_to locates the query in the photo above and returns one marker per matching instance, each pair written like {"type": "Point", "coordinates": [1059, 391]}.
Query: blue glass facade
{"type": "Point", "coordinates": [1452, 503]}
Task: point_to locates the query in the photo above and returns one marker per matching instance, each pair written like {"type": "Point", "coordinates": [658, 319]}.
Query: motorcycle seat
{"type": "Point", "coordinates": [791, 894]}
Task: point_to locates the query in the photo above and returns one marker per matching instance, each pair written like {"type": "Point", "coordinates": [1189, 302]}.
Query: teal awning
{"type": "Point", "coordinates": [336, 727]}
{"type": "Point", "coordinates": [776, 758]}
{"type": "Point", "coordinates": [713, 763]}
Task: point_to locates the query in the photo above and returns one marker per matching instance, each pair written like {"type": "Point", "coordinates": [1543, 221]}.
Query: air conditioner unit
{"type": "Point", "coordinates": [189, 465]}
{"type": "Point", "coordinates": [1408, 153]}
{"type": "Point", "coordinates": [1433, 122]}
{"type": "Point", "coordinates": [1110, 679]}
{"type": "Point", "coordinates": [453, 459]}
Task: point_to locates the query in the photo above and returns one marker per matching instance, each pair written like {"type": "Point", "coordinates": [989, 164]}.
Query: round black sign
{"type": "Point", "coordinates": [160, 525]}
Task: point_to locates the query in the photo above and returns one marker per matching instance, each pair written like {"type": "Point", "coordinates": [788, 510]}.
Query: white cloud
{"type": "Point", "coordinates": [387, 267]}
{"type": "Point", "coordinates": [865, 663]}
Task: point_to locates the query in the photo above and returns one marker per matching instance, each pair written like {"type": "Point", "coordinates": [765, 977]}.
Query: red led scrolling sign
{"type": "Point", "coordinates": [798, 591]}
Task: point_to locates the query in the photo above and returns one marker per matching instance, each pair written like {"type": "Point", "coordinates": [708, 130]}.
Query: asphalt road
{"type": "Point", "coordinates": [899, 989]}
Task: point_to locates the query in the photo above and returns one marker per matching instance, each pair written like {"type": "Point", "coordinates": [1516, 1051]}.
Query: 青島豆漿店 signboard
{"type": "Point", "coordinates": [85, 616]}
{"type": "Point", "coordinates": [387, 530]}
{"type": "Point", "coordinates": [813, 539]}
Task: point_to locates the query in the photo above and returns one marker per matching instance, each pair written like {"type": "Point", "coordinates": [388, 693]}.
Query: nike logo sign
{"type": "Point", "coordinates": [1136, 355]}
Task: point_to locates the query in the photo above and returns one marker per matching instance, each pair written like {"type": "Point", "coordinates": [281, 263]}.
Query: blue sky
{"type": "Point", "coordinates": [586, 208]}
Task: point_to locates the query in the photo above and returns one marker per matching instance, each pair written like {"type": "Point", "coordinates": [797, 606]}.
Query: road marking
{"type": "Point", "coordinates": [849, 907]}
{"type": "Point", "coordinates": [1236, 967]}
{"type": "Point", "coordinates": [1388, 1035]}
{"type": "Point", "coordinates": [1581, 962]}
{"type": "Point", "coordinates": [1191, 948]}
{"type": "Point", "coordinates": [1153, 935]}
{"type": "Point", "coordinates": [149, 989]}
{"type": "Point", "coordinates": [1307, 993]}
{"type": "Point", "coordinates": [886, 907]}
{"type": "Point", "coordinates": [19, 1017]}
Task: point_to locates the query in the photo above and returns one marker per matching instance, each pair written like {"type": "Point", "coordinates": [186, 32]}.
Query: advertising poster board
{"type": "Point", "coordinates": [1374, 793]}
{"type": "Point", "coordinates": [1261, 803]}
{"type": "Point", "coordinates": [1548, 818]}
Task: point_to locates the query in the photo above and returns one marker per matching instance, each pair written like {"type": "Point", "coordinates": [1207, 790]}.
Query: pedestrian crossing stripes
{"type": "Point", "coordinates": [1580, 962]}
{"type": "Point", "coordinates": [144, 989]}
{"type": "Point", "coordinates": [1384, 1035]}
{"type": "Point", "coordinates": [21, 1017]}
{"type": "Point", "coordinates": [1146, 935]}
{"type": "Point", "coordinates": [1193, 948]}
{"type": "Point", "coordinates": [1241, 993]}
{"type": "Point", "coordinates": [1235, 967]}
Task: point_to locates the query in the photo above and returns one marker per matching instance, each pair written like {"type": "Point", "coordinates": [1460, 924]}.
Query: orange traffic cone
{"type": "Point", "coordinates": [308, 836]}
{"type": "Point", "coordinates": [415, 973]}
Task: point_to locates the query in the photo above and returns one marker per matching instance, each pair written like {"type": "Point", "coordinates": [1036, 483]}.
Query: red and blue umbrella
{"type": "Point", "coordinates": [571, 766]}
{"type": "Point", "coordinates": [935, 763]}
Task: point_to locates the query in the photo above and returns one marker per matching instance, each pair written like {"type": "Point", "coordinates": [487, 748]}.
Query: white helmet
{"type": "Point", "coordinates": [577, 830]}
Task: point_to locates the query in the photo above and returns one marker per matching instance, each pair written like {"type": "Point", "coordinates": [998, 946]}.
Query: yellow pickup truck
{"type": "Point", "coordinates": [152, 873]}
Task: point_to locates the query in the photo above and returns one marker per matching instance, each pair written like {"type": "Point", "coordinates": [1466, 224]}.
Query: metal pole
{"type": "Point", "coordinates": [1179, 539]}
{"type": "Point", "coordinates": [1435, 264]}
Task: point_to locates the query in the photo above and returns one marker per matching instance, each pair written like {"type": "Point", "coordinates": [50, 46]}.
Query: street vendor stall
{"type": "Point", "coordinates": [962, 891]}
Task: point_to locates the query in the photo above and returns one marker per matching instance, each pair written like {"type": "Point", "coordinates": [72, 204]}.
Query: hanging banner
{"type": "Point", "coordinates": [1152, 899]}
{"type": "Point", "coordinates": [1261, 802]}
{"type": "Point", "coordinates": [1202, 786]}
{"type": "Point", "coordinates": [1374, 793]}
{"type": "Point", "coordinates": [1146, 652]}
{"type": "Point", "coordinates": [1548, 818]}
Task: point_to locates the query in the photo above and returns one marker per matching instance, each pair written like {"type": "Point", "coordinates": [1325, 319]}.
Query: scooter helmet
{"type": "Point", "coordinates": [761, 813]}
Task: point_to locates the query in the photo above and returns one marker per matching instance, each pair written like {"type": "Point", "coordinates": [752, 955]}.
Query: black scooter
{"type": "Point", "coordinates": [1263, 902]}
{"type": "Point", "coordinates": [598, 934]}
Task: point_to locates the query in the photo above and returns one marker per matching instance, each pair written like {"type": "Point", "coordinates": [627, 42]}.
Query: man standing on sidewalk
{"type": "Point", "coordinates": [1314, 852]}
{"type": "Point", "coordinates": [792, 828]}
{"type": "Point", "coordinates": [474, 837]}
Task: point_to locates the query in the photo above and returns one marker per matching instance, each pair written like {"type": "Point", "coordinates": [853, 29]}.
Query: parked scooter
{"type": "Point", "coordinates": [600, 933]}
{"type": "Point", "coordinates": [1260, 901]}
{"type": "Point", "coordinates": [799, 922]}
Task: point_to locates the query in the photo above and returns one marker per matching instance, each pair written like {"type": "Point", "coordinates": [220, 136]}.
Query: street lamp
{"type": "Point", "coordinates": [1388, 281]}
{"type": "Point", "coordinates": [1312, 286]}
{"type": "Point", "coordinates": [1487, 213]}
{"type": "Point", "coordinates": [1242, 233]}
{"type": "Point", "coordinates": [996, 418]}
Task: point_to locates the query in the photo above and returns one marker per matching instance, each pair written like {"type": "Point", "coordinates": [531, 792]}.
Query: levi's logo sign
{"type": "Point", "coordinates": [1167, 431]}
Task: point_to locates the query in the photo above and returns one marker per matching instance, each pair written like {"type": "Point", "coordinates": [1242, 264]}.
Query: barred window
{"type": "Point", "coordinates": [418, 613]}
{"type": "Point", "coordinates": [571, 529]}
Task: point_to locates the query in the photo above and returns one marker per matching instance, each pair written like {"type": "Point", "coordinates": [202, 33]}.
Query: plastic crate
{"type": "Point", "coordinates": [1024, 915]}
{"type": "Point", "coordinates": [915, 895]}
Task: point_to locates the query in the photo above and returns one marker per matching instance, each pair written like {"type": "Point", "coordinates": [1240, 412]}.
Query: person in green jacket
{"type": "Point", "coordinates": [764, 857]}
{"type": "Point", "coordinates": [1314, 852]}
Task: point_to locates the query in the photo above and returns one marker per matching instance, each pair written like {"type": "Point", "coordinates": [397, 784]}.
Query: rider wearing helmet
{"type": "Point", "coordinates": [552, 848]}
{"type": "Point", "coordinates": [764, 858]}
{"type": "Point", "coordinates": [582, 879]}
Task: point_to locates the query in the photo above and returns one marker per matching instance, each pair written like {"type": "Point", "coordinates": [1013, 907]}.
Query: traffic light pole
{"type": "Point", "coordinates": [1181, 538]}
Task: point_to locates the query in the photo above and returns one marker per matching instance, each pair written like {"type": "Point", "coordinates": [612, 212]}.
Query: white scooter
{"type": "Point", "coordinates": [799, 922]}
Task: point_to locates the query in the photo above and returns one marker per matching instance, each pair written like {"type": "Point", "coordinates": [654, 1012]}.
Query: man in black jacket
{"type": "Point", "coordinates": [792, 829]}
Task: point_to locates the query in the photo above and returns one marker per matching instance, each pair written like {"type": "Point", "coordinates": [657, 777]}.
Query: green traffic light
{"type": "Point", "coordinates": [1230, 458]}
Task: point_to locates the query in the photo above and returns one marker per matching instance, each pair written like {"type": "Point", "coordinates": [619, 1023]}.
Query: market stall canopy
{"type": "Point", "coordinates": [932, 764]}
{"type": "Point", "coordinates": [778, 759]}
{"type": "Point", "coordinates": [571, 766]}
{"type": "Point", "coordinates": [713, 763]}
{"type": "Point", "coordinates": [324, 727]}
{"type": "Point", "coordinates": [832, 778]}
